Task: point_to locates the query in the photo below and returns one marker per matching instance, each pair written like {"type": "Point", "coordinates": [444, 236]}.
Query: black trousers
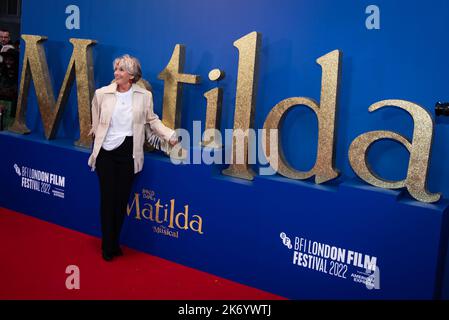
{"type": "Point", "coordinates": [115, 170]}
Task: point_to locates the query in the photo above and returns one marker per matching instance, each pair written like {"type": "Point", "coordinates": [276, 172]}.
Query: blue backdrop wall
{"type": "Point", "coordinates": [239, 229]}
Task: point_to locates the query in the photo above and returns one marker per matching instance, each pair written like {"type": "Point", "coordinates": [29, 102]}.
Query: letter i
{"type": "Point", "coordinates": [165, 213]}
{"type": "Point", "coordinates": [214, 100]}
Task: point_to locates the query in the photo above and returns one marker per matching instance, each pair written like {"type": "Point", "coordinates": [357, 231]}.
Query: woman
{"type": "Point", "coordinates": [121, 112]}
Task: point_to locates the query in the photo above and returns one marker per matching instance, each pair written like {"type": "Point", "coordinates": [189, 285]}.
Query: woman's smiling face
{"type": "Point", "coordinates": [122, 77]}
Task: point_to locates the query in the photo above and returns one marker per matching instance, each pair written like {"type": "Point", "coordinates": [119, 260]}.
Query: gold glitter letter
{"type": "Point", "coordinates": [214, 99]}
{"type": "Point", "coordinates": [419, 149]}
{"type": "Point", "coordinates": [324, 166]}
{"type": "Point", "coordinates": [173, 79]}
{"type": "Point", "coordinates": [245, 101]}
{"type": "Point", "coordinates": [35, 66]}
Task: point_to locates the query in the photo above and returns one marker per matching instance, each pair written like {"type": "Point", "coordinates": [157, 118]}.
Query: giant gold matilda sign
{"type": "Point", "coordinates": [81, 67]}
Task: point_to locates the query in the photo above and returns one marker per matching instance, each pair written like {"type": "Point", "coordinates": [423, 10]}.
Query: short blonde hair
{"type": "Point", "coordinates": [130, 65]}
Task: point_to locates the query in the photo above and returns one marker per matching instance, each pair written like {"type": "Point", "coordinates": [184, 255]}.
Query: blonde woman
{"type": "Point", "coordinates": [121, 113]}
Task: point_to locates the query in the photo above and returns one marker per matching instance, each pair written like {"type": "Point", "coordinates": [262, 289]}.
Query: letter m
{"type": "Point", "coordinates": [35, 67]}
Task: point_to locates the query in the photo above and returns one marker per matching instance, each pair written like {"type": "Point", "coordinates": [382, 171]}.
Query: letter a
{"type": "Point", "coordinates": [72, 281]}
{"type": "Point", "coordinates": [73, 20]}
{"type": "Point", "coordinates": [419, 149]}
{"type": "Point", "coordinates": [372, 21]}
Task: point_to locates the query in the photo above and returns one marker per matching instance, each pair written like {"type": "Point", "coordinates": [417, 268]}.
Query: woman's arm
{"type": "Point", "coordinates": [157, 126]}
{"type": "Point", "coordinates": [95, 116]}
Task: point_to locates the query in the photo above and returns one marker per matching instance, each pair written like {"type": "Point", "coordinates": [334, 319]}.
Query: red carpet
{"type": "Point", "coordinates": [35, 254]}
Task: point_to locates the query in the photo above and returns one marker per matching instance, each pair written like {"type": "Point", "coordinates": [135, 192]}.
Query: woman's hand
{"type": "Point", "coordinates": [173, 141]}
{"type": "Point", "coordinates": [91, 133]}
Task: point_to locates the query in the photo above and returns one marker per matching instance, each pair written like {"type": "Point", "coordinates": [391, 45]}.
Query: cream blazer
{"type": "Point", "coordinates": [144, 119]}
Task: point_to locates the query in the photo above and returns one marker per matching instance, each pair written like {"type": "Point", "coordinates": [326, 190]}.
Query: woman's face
{"type": "Point", "coordinates": [122, 77]}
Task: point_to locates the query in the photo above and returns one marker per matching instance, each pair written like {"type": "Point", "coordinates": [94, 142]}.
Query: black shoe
{"type": "Point", "coordinates": [118, 252]}
{"type": "Point", "coordinates": [107, 257]}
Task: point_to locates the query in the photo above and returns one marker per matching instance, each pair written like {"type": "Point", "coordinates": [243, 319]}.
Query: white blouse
{"type": "Point", "coordinates": [121, 122]}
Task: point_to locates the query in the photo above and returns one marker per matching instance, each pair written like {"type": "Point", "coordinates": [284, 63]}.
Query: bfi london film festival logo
{"type": "Point", "coordinates": [41, 181]}
{"type": "Point", "coordinates": [334, 261]}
